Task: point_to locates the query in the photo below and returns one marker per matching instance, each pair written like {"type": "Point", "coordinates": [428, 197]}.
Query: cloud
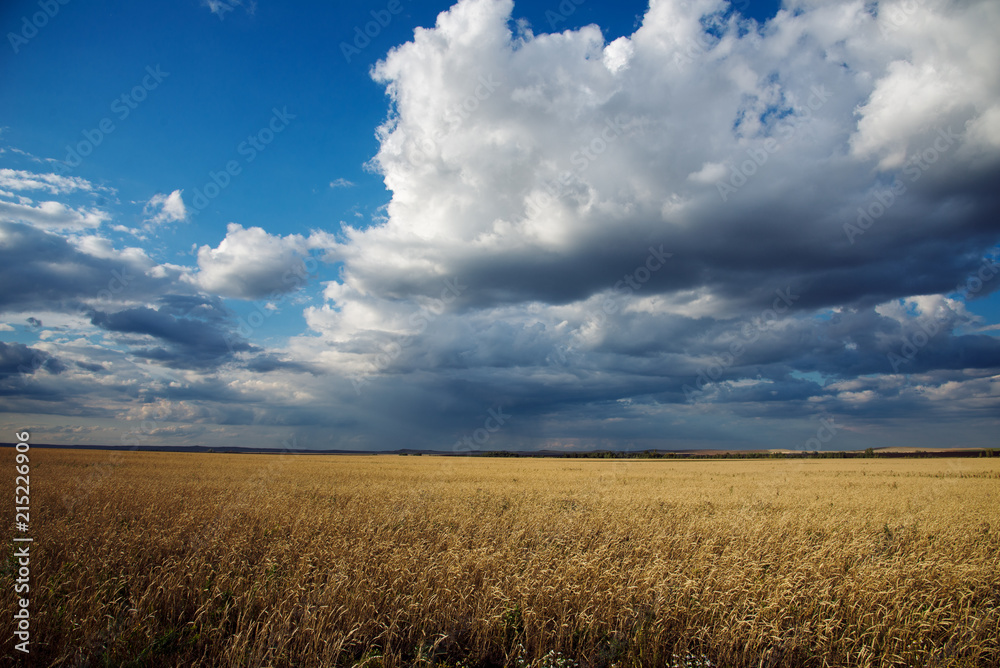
{"type": "Point", "coordinates": [45, 271]}
{"type": "Point", "coordinates": [17, 358]}
{"type": "Point", "coordinates": [53, 215]}
{"type": "Point", "coordinates": [710, 232]}
{"type": "Point", "coordinates": [252, 264]}
{"type": "Point", "coordinates": [182, 332]}
{"type": "Point", "coordinates": [222, 7]}
{"type": "Point", "coordinates": [341, 183]}
{"type": "Point", "coordinates": [166, 209]}
{"type": "Point", "coordinates": [548, 184]}
{"type": "Point", "coordinates": [930, 84]}
{"type": "Point", "coordinates": [16, 179]}
{"type": "Point", "coordinates": [267, 363]}
{"type": "Point", "coordinates": [617, 54]}
{"type": "Point", "coordinates": [745, 150]}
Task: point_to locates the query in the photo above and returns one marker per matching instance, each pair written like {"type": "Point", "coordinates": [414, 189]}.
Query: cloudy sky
{"type": "Point", "coordinates": [575, 224]}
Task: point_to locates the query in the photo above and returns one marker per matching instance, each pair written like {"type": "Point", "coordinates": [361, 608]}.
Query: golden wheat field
{"type": "Point", "coordinates": [154, 559]}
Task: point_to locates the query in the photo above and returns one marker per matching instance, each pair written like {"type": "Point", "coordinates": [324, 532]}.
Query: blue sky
{"type": "Point", "coordinates": [583, 214]}
{"type": "Point", "coordinates": [224, 73]}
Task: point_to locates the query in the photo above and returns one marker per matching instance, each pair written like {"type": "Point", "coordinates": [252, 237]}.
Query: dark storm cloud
{"type": "Point", "coordinates": [620, 246]}
{"type": "Point", "coordinates": [17, 358]}
{"type": "Point", "coordinates": [93, 368]}
{"type": "Point", "coordinates": [266, 363]}
{"type": "Point", "coordinates": [44, 271]}
{"type": "Point", "coordinates": [199, 338]}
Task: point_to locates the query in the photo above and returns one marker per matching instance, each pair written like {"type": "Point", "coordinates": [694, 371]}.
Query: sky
{"type": "Point", "coordinates": [492, 225]}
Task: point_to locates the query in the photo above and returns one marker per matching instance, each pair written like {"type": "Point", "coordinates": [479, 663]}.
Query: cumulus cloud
{"type": "Point", "coordinates": [49, 215]}
{"type": "Point", "coordinates": [758, 156]}
{"type": "Point", "coordinates": [252, 264]}
{"type": "Point", "coordinates": [166, 209]}
{"type": "Point", "coordinates": [931, 82]}
{"type": "Point", "coordinates": [17, 358]}
{"type": "Point", "coordinates": [53, 215]}
{"type": "Point", "coordinates": [182, 332]}
{"type": "Point", "coordinates": [617, 54]}
{"type": "Point", "coordinates": [42, 270]}
{"type": "Point", "coordinates": [543, 183]}
{"type": "Point", "coordinates": [709, 232]}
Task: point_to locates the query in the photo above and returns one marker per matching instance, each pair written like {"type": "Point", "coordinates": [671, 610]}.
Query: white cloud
{"type": "Point", "coordinates": [710, 172]}
{"type": "Point", "coordinates": [17, 179]}
{"type": "Point", "coordinates": [166, 208]}
{"type": "Point", "coordinates": [501, 169]}
{"type": "Point", "coordinates": [48, 215]}
{"type": "Point", "coordinates": [929, 311]}
{"type": "Point", "coordinates": [222, 7]}
{"type": "Point", "coordinates": [618, 54]}
{"type": "Point", "coordinates": [539, 188]}
{"type": "Point", "coordinates": [252, 264]}
{"type": "Point", "coordinates": [341, 183]}
{"type": "Point", "coordinates": [942, 71]}
{"type": "Point", "coordinates": [53, 215]}
{"type": "Point", "coordinates": [103, 248]}
{"type": "Point", "coordinates": [537, 172]}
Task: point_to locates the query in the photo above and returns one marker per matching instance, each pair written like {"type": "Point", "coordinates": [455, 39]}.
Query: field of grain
{"type": "Point", "coordinates": [152, 559]}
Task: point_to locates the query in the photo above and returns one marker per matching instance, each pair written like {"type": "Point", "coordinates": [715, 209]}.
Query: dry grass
{"type": "Point", "coordinates": [163, 559]}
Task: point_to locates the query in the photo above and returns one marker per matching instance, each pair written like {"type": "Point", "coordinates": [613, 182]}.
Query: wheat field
{"type": "Point", "coordinates": [156, 559]}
